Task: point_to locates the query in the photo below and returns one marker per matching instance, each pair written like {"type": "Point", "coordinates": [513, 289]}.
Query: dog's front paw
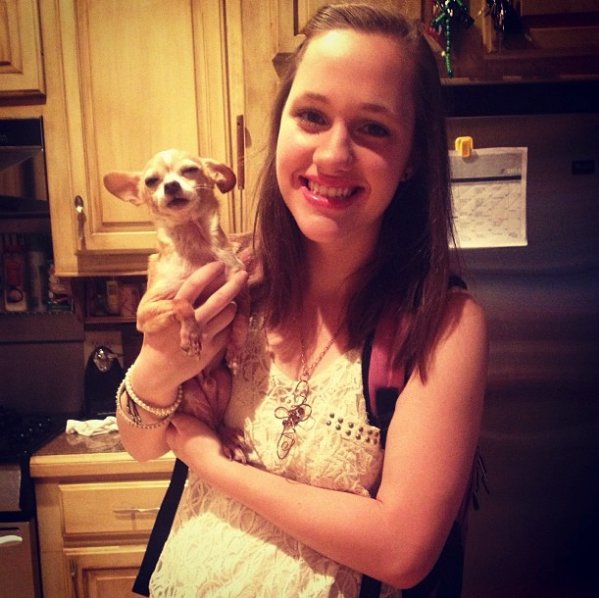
{"type": "Point", "coordinates": [234, 446]}
{"type": "Point", "coordinates": [191, 339]}
{"type": "Point", "coordinates": [191, 345]}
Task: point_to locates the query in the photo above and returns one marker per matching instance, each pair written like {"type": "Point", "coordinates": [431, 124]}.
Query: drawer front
{"type": "Point", "coordinates": [110, 507]}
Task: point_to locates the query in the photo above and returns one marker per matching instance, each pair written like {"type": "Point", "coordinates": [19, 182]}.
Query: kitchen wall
{"type": "Point", "coordinates": [537, 533]}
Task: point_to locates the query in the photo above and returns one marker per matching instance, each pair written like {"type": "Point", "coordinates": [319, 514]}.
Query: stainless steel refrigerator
{"type": "Point", "coordinates": [537, 533]}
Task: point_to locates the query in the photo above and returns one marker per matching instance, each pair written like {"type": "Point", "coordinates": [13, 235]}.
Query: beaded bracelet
{"type": "Point", "coordinates": [157, 411]}
{"type": "Point", "coordinates": [132, 417]}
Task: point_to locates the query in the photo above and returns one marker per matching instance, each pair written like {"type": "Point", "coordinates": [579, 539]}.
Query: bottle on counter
{"type": "Point", "coordinates": [112, 297]}
{"type": "Point", "coordinates": [38, 274]}
{"type": "Point", "coordinates": [60, 297]}
{"type": "Point", "coordinates": [14, 273]}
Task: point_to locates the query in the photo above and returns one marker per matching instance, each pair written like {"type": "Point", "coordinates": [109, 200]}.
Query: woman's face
{"type": "Point", "coordinates": [346, 136]}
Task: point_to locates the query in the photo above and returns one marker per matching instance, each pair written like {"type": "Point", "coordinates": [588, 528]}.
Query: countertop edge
{"type": "Point", "coordinates": [58, 460]}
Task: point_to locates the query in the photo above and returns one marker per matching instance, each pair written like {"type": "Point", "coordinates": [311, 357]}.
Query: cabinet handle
{"type": "Point", "coordinates": [73, 573]}
{"type": "Point", "coordinates": [240, 152]}
{"type": "Point", "coordinates": [135, 510]}
{"type": "Point", "coordinates": [10, 540]}
{"type": "Point", "coordinates": [80, 216]}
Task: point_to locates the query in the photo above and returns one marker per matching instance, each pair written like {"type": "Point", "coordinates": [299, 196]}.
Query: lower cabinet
{"type": "Point", "coordinates": [93, 528]}
{"type": "Point", "coordinates": [107, 571]}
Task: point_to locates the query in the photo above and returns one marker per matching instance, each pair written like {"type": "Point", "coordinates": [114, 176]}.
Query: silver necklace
{"type": "Point", "coordinates": [301, 410]}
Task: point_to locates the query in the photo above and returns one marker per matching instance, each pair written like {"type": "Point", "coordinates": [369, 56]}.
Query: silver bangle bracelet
{"type": "Point", "coordinates": [157, 411]}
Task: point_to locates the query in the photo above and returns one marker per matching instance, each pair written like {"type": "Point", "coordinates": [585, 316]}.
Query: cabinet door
{"type": "Point", "coordinates": [21, 70]}
{"type": "Point", "coordinates": [549, 41]}
{"type": "Point", "coordinates": [132, 87]}
{"type": "Point", "coordinates": [292, 16]}
{"type": "Point", "coordinates": [106, 572]}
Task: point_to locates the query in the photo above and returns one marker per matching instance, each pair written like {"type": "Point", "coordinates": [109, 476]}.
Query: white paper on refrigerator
{"type": "Point", "coordinates": [489, 197]}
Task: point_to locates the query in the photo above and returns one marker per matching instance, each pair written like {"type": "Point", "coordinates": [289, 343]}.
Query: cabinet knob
{"type": "Point", "coordinates": [80, 216]}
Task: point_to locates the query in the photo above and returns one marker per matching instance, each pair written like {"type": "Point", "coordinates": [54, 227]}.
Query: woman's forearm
{"type": "Point", "coordinates": [359, 532]}
{"type": "Point", "coordinates": [144, 436]}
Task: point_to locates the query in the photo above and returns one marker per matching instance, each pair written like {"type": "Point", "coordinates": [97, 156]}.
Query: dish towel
{"type": "Point", "coordinates": [92, 427]}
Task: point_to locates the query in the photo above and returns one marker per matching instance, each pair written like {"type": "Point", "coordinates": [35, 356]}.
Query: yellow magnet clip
{"type": "Point", "coordinates": [464, 146]}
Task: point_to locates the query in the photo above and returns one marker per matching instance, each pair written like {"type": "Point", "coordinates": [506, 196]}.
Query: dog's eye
{"type": "Point", "coordinates": [190, 171]}
{"type": "Point", "coordinates": [151, 181]}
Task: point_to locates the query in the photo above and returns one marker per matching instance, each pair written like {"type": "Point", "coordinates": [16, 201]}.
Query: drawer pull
{"type": "Point", "coordinates": [10, 540]}
{"type": "Point", "coordinates": [135, 510]}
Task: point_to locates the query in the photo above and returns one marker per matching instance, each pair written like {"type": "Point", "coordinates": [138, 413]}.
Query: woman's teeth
{"type": "Point", "coordinates": [332, 192]}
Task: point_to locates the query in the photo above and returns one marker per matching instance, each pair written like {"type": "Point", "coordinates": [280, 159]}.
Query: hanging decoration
{"type": "Point", "coordinates": [448, 16]}
{"type": "Point", "coordinates": [504, 17]}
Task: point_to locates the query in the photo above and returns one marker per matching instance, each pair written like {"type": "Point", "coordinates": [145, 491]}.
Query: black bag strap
{"type": "Point", "coordinates": [383, 381]}
{"type": "Point", "coordinates": [161, 529]}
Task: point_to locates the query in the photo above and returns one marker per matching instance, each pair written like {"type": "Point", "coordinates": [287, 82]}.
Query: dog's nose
{"type": "Point", "coordinates": [172, 187]}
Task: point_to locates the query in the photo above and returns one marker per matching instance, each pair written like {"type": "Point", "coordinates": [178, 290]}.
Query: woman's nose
{"type": "Point", "coordinates": [335, 149]}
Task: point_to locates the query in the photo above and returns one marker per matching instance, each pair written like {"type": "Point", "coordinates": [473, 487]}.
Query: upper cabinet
{"type": "Point", "coordinates": [490, 41]}
{"type": "Point", "coordinates": [536, 40]}
{"type": "Point", "coordinates": [21, 68]}
{"type": "Point", "coordinates": [134, 78]}
{"type": "Point", "coordinates": [293, 16]}
{"type": "Point", "coordinates": [126, 79]}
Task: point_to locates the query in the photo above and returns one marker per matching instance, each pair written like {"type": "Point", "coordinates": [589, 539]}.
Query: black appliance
{"type": "Point", "coordinates": [23, 181]}
{"type": "Point", "coordinates": [103, 375]}
{"type": "Point", "coordinates": [41, 385]}
{"type": "Point", "coordinates": [20, 437]}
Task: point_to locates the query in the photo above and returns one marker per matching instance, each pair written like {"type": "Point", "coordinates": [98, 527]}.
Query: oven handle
{"type": "Point", "coordinates": [10, 540]}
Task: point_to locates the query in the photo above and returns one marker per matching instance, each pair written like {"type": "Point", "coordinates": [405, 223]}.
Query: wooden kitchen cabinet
{"type": "Point", "coordinates": [95, 513]}
{"type": "Point", "coordinates": [104, 573]}
{"type": "Point", "coordinates": [21, 65]}
{"type": "Point", "coordinates": [558, 40]}
{"type": "Point", "coordinates": [134, 78]}
{"type": "Point", "coordinates": [123, 88]}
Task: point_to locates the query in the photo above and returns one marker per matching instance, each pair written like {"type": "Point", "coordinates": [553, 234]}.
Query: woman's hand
{"type": "Point", "coordinates": [195, 443]}
{"type": "Point", "coordinates": [161, 365]}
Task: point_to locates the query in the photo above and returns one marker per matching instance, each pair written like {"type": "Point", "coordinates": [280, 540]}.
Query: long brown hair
{"type": "Point", "coordinates": [409, 270]}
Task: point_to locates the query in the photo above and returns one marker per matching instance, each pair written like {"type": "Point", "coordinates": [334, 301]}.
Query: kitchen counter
{"type": "Point", "coordinates": [73, 455]}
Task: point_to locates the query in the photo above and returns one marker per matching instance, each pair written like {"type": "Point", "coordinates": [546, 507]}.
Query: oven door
{"type": "Point", "coordinates": [19, 566]}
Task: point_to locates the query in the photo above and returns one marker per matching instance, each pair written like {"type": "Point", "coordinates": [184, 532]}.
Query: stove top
{"type": "Point", "coordinates": [22, 435]}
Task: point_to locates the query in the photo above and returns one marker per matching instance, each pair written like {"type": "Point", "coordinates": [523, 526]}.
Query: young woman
{"type": "Point", "coordinates": [354, 221]}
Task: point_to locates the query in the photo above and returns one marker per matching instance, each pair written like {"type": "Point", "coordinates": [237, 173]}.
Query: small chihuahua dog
{"type": "Point", "coordinates": [178, 188]}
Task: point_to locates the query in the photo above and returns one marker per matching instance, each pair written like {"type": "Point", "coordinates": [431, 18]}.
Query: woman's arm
{"type": "Point", "coordinates": [397, 536]}
{"type": "Point", "coordinates": [161, 365]}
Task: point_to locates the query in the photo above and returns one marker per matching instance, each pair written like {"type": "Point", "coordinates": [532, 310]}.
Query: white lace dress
{"type": "Point", "coordinates": [219, 548]}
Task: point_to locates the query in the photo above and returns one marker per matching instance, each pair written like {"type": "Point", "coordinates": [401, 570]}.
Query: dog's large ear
{"type": "Point", "coordinates": [124, 185]}
{"type": "Point", "coordinates": [221, 174]}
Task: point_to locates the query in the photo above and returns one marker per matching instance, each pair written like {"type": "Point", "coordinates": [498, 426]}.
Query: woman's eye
{"type": "Point", "coordinates": [310, 118]}
{"type": "Point", "coordinates": [375, 130]}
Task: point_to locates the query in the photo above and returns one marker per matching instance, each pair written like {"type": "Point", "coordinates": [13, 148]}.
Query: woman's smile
{"type": "Point", "coordinates": [329, 194]}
